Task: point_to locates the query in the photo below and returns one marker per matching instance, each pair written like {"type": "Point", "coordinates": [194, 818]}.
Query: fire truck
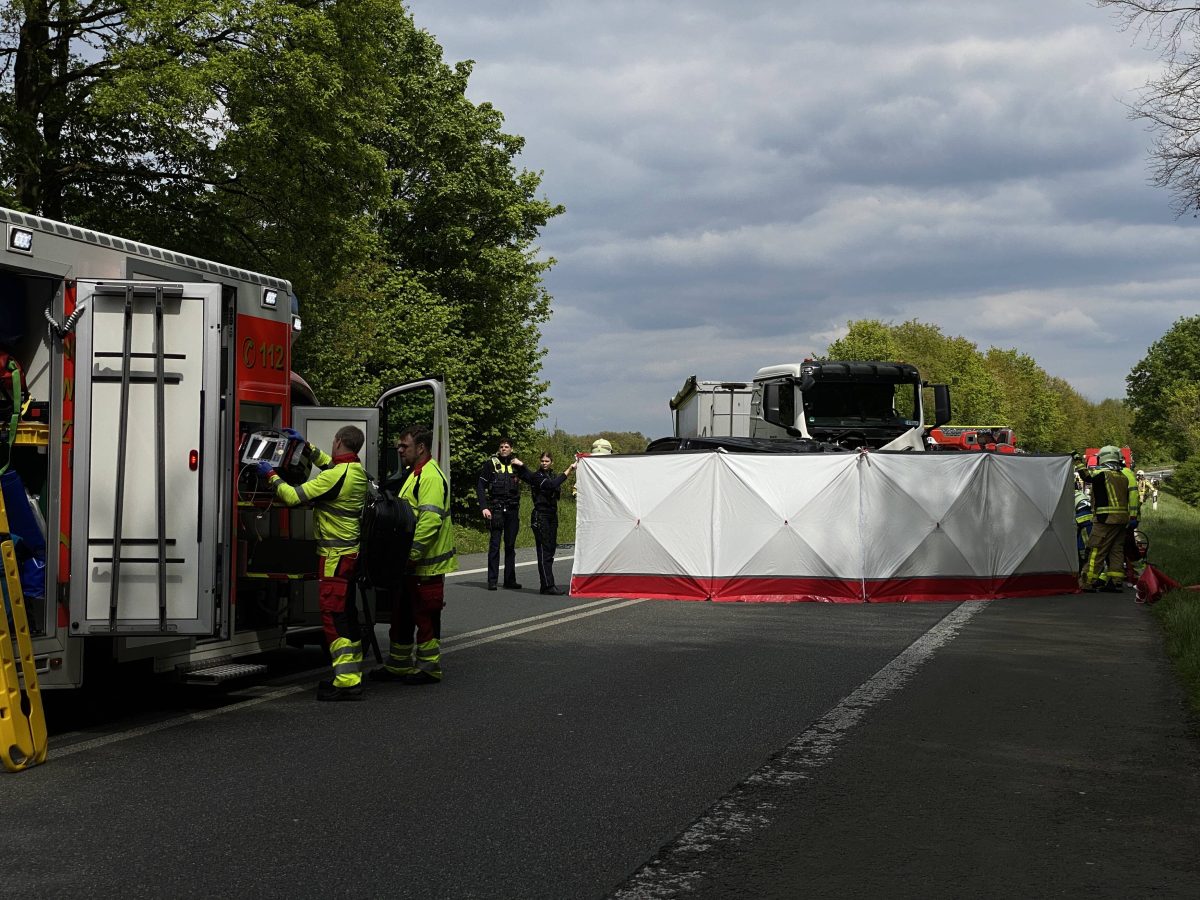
{"type": "Point", "coordinates": [1091, 457]}
{"type": "Point", "coordinates": [145, 376]}
{"type": "Point", "coordinates": [973, 438]}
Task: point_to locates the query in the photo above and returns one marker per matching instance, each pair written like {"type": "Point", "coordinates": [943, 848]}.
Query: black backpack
{"type": "Point", "coordinates": [385, 538]}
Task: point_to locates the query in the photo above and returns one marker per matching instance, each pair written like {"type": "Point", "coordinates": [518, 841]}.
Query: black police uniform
{"type": "Point", "coordinates": [499, 489]}
{"type": "Point", "coordinates": [546, 488]}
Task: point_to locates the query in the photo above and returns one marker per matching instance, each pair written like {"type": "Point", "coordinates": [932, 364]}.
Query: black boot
{"type": "Point", "coordinates": [326, 691]}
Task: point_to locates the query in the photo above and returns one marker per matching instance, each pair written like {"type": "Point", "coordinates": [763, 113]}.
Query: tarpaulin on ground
{"type": "Point", "coordinates": [854, 527]}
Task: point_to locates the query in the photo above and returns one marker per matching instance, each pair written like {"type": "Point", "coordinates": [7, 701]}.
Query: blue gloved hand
{"type": "Point", "coordinates": [264, 468]}
{"type": "Point", "coordinates": [1133, 522]}
{"type": "Point", "coordinates": [294, 435]}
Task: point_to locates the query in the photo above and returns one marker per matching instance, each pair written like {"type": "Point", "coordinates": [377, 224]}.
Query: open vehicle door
{"type": "Point", "coordinates": [421, 402]}
{"type": "Point", "coordinates": [147, 411]}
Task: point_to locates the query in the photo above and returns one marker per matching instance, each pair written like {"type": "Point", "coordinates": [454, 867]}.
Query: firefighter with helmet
{"type": "Point", "coordinates": [1104, 568]}
{"type": "Point", "coordinates": [1083, 521]}
{"type": "Point", "coordinates": [1142, 485]}
{"type": "Point", "coordinates": [336, 494]}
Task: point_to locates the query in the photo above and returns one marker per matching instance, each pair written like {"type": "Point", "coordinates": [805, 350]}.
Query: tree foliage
{"type": "Point", "coordinates": [1170, 103]}
{"type": "Point", "coordinates": [323, 141]}
{"type": "Point", "coordinates": [1161, 388]}
{"type": "Point", "coordinates": [992, 387]}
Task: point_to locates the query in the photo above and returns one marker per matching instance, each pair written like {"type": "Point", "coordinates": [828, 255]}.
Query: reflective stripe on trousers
{"type": "Point", "coordinates": [1106, 553]}
{"type": "Point", "coordinates": [429, 658]}
{"type": "Point", "coordinates": [347, 662]}
{"type": "Point", "coordinates": [400, 659]}
{"type": "Point", "coordinates": [417, 612]}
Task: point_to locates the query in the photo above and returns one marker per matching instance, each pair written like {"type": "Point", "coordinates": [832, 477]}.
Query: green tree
{"type": "Point", "coordinates": [865, 339]}
{"type": "Point", "coordinates": [1078, 414]}
{"type": "Point", "coordinates": [1027, 401]}
{"type": "Point", "coordinates": [461, 220]}
{"type": "Point", "coordinates": [1111, 423]}
{"type": "Point", "coordinates": [954, 361]}
{"type": "Point", "coordinates": [1171, 363]}
{"type": "Point", "coordinates": [324, 141]}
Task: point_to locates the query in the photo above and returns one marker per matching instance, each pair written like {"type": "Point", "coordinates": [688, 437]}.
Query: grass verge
{"type": "Point", "coordinates": [1173, 529]}
{"type": "Point", "coordinates": [472, 536]}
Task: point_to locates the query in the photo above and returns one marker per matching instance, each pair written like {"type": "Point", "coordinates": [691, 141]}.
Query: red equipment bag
{"type": "Point", "coordinates": [1152, 584]}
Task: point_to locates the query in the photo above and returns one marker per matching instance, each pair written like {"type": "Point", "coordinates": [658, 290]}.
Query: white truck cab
{"type": "Point", "coordinates": [848, 404]}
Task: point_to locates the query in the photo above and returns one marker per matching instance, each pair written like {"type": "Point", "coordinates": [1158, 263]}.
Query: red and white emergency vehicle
{"type": "Point", "coordinates": [1091, 457]}
{"type": "Point", "coordinates": [973, 438]}
{"type": "Point", "coordinates": [147, 372]}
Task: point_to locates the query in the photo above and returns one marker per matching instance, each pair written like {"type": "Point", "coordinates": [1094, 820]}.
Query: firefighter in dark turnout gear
{"type": "Point", "coordinates": [1105, 566]}
{"type": "Point", "coordinates": [336, 494]}
{"type": "Point", "coordinates": [546, 488]}
{"type": "Point", "coordinates": [499, 496]}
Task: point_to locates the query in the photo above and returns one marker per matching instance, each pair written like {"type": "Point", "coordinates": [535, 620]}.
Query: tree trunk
{"type": "Point", "coordinates": [30, 74]}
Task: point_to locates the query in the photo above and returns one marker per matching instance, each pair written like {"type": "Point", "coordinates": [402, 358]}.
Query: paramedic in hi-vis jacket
{"type": "Point", "coordinates": [417, 608]}
{"type": "Point", "coordinates": [336, 494]}
{"type": "Point", "coordinates": [1105, 566]}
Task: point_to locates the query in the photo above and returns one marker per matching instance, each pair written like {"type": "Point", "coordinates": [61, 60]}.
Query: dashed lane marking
{"type": "Point", "coordinates": [682, 865]}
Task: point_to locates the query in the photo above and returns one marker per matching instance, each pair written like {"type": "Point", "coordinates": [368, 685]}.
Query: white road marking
{"type": "Point", "coordinates": [172, 723]}
{"type": "Point", "coordinates": [507, 634]}
{"type": "Point", "coordinates": [299, 688]}
{"type": "Point", "coordinates": [557, 612]}
{"type": "Point", "coordinates": [746, 810]}
{"type": "Point", "coordinates": [531, 562]}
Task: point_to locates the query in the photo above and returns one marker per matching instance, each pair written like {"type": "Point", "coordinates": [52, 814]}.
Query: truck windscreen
{"type": "Point", "coordinates": [836, 403]}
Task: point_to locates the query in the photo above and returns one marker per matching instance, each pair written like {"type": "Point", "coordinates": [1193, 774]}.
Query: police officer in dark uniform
{"type": "Point", "coordinates": [546, 488]}
{"type": "Point", "coordinates": [499, 496]}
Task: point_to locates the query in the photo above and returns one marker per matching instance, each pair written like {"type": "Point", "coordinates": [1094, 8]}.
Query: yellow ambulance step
{"type": "Point", "coordinates": [36, 434]}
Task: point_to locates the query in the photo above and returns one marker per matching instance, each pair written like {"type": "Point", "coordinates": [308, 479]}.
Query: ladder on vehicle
{"type": "Point", "coordinates": [158, 378]}
{"type": "Point", "coordinates": [22, 722]}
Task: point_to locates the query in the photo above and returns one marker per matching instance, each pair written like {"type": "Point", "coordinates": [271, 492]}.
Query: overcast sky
{"type": "Point", "coordinates": [741, 179]}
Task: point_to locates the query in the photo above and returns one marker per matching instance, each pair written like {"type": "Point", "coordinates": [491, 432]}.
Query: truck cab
{"type": "Point", "coordinates": [849, 404]}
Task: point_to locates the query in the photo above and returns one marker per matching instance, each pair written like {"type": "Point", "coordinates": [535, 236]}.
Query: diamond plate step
{"type": "Point", "coordinates": [223, 672]}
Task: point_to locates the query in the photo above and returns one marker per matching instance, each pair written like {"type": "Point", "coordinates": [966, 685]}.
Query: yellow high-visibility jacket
{"type": "Point", "coordinates": [427, 491]}
{"type": "Point", "coordinates": [337, 494]}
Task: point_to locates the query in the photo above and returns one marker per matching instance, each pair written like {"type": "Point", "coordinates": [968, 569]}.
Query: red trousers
{"type": "Point", "coordinates": [418, 607]}
{"type": "Point", "coordinates": [335, 597]}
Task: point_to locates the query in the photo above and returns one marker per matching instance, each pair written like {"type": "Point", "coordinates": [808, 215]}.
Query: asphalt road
{"type": "Point", "coordinates": [649, 749]}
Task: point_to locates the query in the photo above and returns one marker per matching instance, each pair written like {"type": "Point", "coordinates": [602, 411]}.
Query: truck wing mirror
{"type": "Point", "coordinates": [941, 405]}
{"type": "Point", "coordinates": [807, 383]}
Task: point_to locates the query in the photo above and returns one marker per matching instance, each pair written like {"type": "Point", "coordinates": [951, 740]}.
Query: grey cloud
{"type": "Point", "coordinates": [742, 179]}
